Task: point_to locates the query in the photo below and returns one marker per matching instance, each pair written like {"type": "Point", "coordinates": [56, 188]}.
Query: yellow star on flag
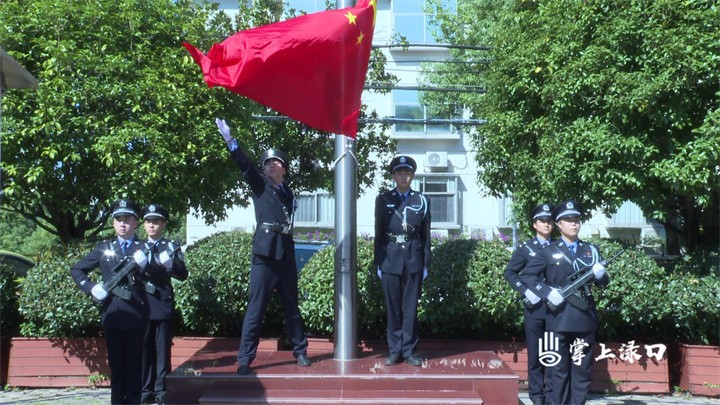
{"type": "Point", "coordinates": [351, 18]}
{"type": "Point", "coordinates": [360, 38]}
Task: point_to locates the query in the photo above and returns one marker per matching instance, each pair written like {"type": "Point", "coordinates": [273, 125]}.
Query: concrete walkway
{"type": "Point", "coordinates": [90, 396]}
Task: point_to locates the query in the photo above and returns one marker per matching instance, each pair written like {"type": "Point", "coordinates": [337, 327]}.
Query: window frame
{"type": "Point", "coordinates": [405, 101]}
{"type": "Point", "coordinates": [316, 211]}
{"type": "Point", "coordinates": [418, 184]}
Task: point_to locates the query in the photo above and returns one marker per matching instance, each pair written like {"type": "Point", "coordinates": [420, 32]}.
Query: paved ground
{"type": "Point", "coordinates": [87, 396]}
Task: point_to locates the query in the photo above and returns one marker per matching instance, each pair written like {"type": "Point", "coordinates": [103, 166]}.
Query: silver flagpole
{"type": "Point", "coordinates": [345, 243]}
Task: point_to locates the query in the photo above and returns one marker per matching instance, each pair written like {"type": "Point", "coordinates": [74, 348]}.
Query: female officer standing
{"type": "Point", "coordinates": [402, 255]}
{"type": "Point", "coordinates": [123, 319]}
{"type": "Point", "coordinates": [573, 324]}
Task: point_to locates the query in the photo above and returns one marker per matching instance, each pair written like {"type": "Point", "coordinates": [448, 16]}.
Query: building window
{"type": "Point", "coordinates": [442, 191]}
{"type": "Point", "coordinates": [316, 209]}
{"type": "Point", "coordinates": [412, 23]}
{"type": "Point", "coordinates": [407, 106]}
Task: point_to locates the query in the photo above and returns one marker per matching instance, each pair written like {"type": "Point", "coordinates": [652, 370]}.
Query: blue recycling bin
{"type": "Point", "coordinates": [304, 250]}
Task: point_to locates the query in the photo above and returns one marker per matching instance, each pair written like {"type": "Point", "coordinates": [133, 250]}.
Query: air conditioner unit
{"type": "Point", "coordinates": [436, 161]}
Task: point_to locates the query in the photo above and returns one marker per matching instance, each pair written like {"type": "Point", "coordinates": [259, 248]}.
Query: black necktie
{"type": "Point", "coordinates": [402, 198]}
{"type": "Point", "coordinates": [572, 249]}
{"type": "Point", "coordinates": [123, 247]}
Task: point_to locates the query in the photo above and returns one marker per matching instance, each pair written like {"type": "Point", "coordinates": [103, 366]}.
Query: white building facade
{"type": "Point", "coordinates": [447, 170]}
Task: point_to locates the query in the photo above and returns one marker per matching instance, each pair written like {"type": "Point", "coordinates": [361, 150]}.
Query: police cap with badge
{"type": "Point", "coordinates": [570, 208]}
{"type": "Point", "coordinates": [124, 206]}
{"type": "Point", "coordinates": [275, 154]}
{"type": "Point", "coordinates": [541, 211]}
{"type": "Point", "coordinates": [402, 162]}
{"type": "Point", "coordinates": [157, 211]}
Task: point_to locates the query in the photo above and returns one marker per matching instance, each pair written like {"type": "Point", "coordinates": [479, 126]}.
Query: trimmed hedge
{"type": "Point", "coordinates": [213, 299]}
{"type": "Point", "coordinates": [317, 292]}
{"type": "Point", "coordinates": [464, 296]}
{"type": "Point", "coordinates": [50, 302]}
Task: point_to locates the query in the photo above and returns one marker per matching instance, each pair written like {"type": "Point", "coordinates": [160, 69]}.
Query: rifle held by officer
{"type": "Point", "coordinates": [574, 282]}
{"type": "Point", "coordinates": [578, 281]}
{"type": "Point", "coordinates": [126, 273]}
{"type": "Point", "coordinates": [123, 277]}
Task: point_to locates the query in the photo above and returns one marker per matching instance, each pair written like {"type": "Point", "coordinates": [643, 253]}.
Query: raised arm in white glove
{"type": "Point", "coordinates": [555, 298]}
{"type": "Point", "coordinates": [425, 273]}
{"type": "Point", "coordinates": [140, 258]}
{"type": "Point", "coordinates": [534, 299]}
{"type": "Point", "coordinates": [165, 259]}
{"type": "Point", "coordinates": [99, 292]}
{"type": "Point", "coordinates": [379, 272]}
{"type": "Point", "coordinates": [225, 132]}
{"type": "Point", "coordinates": [598, 270]}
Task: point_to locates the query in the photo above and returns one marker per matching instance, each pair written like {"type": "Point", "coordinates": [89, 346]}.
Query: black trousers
{"type": "Point", "coordinates": [156, 357]}
{"type": "Point", "coordinates": [266, 275]}
{"type": "Point", "coordinates": [125, 352]}
{"type": "Point", "coordinates": [539, 376]}
{"type": "Point", "coordinates": [573, 375]}
{"type": "Point", "coordinates": [401, 300]}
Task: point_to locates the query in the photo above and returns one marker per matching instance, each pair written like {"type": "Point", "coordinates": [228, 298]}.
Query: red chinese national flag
{"type": "Point", "coordinates": [311, 68]}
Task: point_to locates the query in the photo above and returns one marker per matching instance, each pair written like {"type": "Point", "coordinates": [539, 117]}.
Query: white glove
{"type": "Point", "coordinates": [140, 258]}
{"type": "Point", "coordinates": [98, 292]}
{"type": "Point", "coordinates": [534, 299]}
{"type": "Point", "coordinates": [425, 273]}
{"type": "Point", "coordinates": [598, 270]}
{"type": "Point", "coordinates": [224, 129]}
{"type": "Point", "coordinates": [379, 273]}
{"type": "Point", "coordinates": [555, 298]}
{"type": "Point", "coordinates": [165, 259]}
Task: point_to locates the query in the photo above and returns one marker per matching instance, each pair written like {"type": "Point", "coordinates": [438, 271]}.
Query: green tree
{"type": "Point", "coordinates": [20, 235]}
{"type": "Point", "coordinates": [603, 101]}
{"type": "Point", "coordinates": [122, 111]}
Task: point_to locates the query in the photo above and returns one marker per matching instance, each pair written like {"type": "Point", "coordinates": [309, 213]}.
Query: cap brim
{"type": "Point", "coordinates": [402, 166]}
{"type": "Point", "coordinates": [568, 213]}
{"type": "Point", "coordinates": [274, 158]}
{"type": "Point", "coordinates": [542, 215]}
{"type": "Point", "coordinates": [124, 211]}
{"type": "Point", "coordinates": [153, 216]}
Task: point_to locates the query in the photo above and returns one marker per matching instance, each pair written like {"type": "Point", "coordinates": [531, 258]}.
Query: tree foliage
{"type": "Point", "coordinates": [121, 110]}
{"type": "Point", "coordinates": [604, 101]}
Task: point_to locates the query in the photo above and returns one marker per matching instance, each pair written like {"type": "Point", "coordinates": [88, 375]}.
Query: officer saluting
{"type": "Point", "coordinates": [165, 260]}
{"type": "Point", "coordinates": [539, 384]}
{"type": "Point", "coordinates": [123, 320]}
{"type": "Point", "coordinates": [273, 259]}
{"type": "Point", "coordinates": [402, 255]}
{"type": "Point", "coordinates": [574, 327]}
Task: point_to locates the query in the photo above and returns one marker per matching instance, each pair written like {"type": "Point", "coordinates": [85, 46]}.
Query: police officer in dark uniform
{"type": "Point", "coordinates": [124, 321]}
{"type": "Point", "coordinates": [402, 255]}
{"type": "Point", "coordinates": [273, 259]}
{"type": "Point", "coordinates": [165, 261]}
{"type": "Point", "coordinates": [539, 384]}
{"type": "Point", "coordinates": [574, 327]}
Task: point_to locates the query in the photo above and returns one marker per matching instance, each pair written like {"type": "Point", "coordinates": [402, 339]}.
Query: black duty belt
{"type": "Point", "coordinates": [403, 237]}
{"type": "Point", "coordinates": [284, 229]}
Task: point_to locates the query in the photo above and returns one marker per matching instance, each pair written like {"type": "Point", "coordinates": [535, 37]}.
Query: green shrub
{"type": "Point", "coordinates": [317, 293]}
{"type": "Point", "coordinates": [464, 295]}
{"type": "Point", "coordinates": [692, 304]}
{"type": "Point", "coordinates": [628, 307]}
{"type": "Point", "coordinates": [213, 299]}
{"type": "Point", "coordinates": [9, 291]}
{"type": "Point", "coordinates": [50, 302]}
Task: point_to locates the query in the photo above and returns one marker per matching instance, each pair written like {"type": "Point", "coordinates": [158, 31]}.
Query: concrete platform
{"type": "Point", "coordinates": [448, 375]}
